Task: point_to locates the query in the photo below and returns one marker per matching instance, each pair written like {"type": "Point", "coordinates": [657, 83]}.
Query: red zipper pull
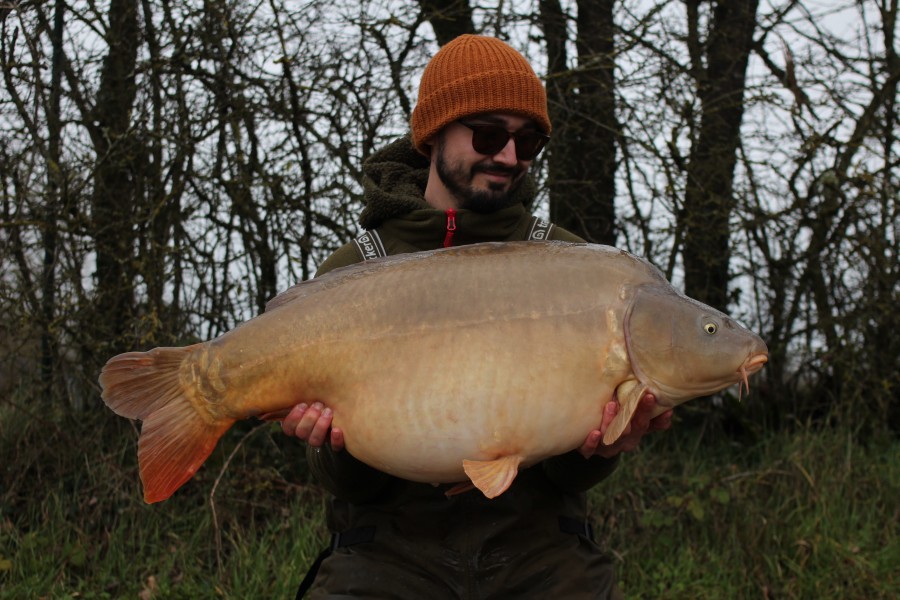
{"type": "Point", "coordinates": [451, 227]}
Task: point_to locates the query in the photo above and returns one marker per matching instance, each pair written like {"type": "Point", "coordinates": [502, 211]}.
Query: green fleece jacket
{"type": "Point", "coordinates": [455, 544]}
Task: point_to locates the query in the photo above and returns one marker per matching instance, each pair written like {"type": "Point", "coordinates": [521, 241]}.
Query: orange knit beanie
{"type": "Point", "coordinates": [476, 74]}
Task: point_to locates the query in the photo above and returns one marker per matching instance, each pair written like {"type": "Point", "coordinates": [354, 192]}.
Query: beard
{"type": "Point", "coordinates": [458, 179]}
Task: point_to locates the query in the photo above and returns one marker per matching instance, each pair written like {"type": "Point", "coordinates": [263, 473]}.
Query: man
{"type": "Point", "coordinates": [460, 177]}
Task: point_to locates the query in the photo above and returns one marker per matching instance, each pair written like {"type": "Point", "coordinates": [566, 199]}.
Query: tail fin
{"type": "Point", "coordinates": [175, 438]}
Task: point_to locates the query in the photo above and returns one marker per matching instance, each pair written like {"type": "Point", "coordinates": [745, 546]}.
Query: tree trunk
{"type": "Point", "coordinates": [448, 18]}
{"type": "Point", "coordinates": [582, 156]}
{"type": "Point", "coordinates": [704, 220]}
{"type": "Point", "coordinates": [114, 197]}
{"type": "Point", "coordinates": [55, 188]}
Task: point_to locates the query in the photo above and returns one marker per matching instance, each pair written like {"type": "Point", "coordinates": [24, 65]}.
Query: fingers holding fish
{"type": "Point", "coordinates": [589, 448]}
{"type": "Point", "coordinates": [312, 424]}
{"type": "Point", "coordinates": [641, 423]}
{"type": "Point", "coordinates": [337, 439]}
{"type": "Point", "coordinates": [661, 422]}
{"type": "Point", "coordinates": [593, 444]}
{"type": "Point", "coordinates": [291, 423]}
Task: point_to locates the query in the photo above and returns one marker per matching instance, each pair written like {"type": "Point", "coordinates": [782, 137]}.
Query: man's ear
{"type": "Point", "coordinates": [424, 149]}
{"type": "Point", "coordinates": [429, 145]}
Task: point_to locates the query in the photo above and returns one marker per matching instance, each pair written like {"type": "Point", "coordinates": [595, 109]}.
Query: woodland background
{"type": "Point", "coordinates": [168, 167]}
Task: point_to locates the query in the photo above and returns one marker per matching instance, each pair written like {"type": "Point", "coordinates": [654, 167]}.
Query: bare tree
{"type": "Point", "coordinates": [167, 167]}
{"type": "Point", "coordinates": [831, 251]}
{"type": "Point", "coordinates": [582, 163]}
{"type": "Point", "coordinates": [718, 65]}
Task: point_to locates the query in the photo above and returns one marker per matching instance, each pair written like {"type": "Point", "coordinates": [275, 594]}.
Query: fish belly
{"type": "Point", "coordinates": [426, 403]}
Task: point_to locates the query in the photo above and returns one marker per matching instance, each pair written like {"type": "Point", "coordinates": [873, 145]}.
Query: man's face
{"type": "Point", "coordinates": [480, 182]}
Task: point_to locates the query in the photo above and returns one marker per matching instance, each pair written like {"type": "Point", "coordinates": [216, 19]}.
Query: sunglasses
{"type": "Point", "coordinates": [491, 139]}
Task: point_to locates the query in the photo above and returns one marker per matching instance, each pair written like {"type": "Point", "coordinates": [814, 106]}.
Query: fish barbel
{"type": "Point", "coordinates": [445, 366]}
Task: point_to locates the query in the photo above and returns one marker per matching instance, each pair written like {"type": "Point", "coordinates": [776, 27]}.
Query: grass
{"type": "Point", "coordinates": [802, 515]}
{"type": "Point", "coordinates": [808, 514]}
{"type": "Point", "coordinates": [75, 525]}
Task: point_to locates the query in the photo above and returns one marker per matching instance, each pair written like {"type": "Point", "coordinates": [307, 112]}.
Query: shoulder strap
{"type": "Point", "coordinates": [539, 229]}
{"type": "Point", "coordinates": [369, 245]}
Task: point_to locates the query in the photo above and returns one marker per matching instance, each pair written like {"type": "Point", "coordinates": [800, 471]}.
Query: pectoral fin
{"type": "Point", "coordinates": [629, 394]}
{"type": "Point", "coordinates": [493, 477]}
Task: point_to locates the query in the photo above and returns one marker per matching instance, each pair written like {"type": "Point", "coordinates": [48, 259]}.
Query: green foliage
{"type": "Point", "coordinates": [75, 524]}
{"type": "Point", "coordinates": [805, 515]}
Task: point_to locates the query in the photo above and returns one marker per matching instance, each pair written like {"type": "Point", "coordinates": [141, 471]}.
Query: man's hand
{"type": "Point", "coordinates": [640, 424]}
{"type": "Point", "coordinates": [312, 424]}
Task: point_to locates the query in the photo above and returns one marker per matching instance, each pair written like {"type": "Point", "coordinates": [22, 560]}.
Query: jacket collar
{"type": "Point", "coordinates": [426, 228]}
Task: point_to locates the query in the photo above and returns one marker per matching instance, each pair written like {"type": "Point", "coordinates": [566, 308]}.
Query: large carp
{"type": "Point", "coordinates": [444, 366]}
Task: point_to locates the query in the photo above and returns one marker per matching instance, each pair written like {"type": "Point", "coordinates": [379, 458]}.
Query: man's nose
{"type": "Point", "coordinates": [507, 155]}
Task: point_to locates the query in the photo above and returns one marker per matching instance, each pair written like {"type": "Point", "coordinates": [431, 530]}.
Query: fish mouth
{"type": "Point", "coordinates": [753, 364]}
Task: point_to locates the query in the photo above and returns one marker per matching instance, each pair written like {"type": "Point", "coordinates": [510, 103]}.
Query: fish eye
{"type": "Point", "coordinates": [710, 328]}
